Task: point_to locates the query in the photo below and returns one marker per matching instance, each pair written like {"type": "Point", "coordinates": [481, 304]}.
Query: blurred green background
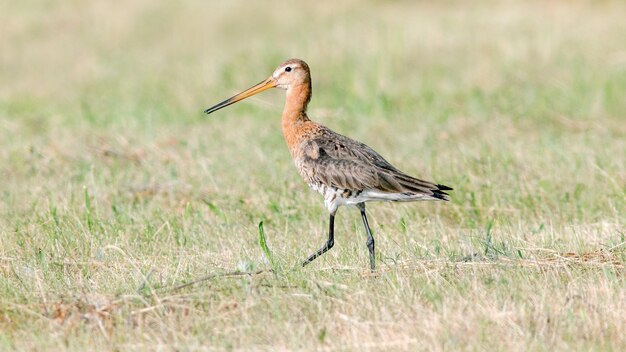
{"type": "Point", "coordinates": [115, 186]}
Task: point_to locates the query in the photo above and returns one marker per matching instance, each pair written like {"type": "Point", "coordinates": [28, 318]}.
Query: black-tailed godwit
{"type": "Point", "coordinates": [344, 171]}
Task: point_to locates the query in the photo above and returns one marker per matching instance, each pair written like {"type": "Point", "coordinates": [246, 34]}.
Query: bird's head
{"type": "Point", "coordinates": [291, 73]}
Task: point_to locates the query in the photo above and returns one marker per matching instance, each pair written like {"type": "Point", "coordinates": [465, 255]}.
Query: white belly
{"type": "Point", "coordinates": [335, 197]}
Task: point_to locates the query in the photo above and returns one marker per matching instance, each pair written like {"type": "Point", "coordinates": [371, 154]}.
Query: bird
{"type": "Point", "coordinates": [344, 171]}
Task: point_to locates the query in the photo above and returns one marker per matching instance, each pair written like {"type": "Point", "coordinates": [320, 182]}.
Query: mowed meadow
{"type": "Point", "coordinates": [115, 188]}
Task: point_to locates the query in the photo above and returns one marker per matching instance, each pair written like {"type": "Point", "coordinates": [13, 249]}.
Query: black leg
{"type": "Point", "coordinates": [370, 238]}
{"type": "Point", "coordinates": [329, 244]}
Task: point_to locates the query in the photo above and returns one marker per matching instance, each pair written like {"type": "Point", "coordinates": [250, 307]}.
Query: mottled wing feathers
{"type": "Point", "coordinates": [338, 161]}
{"type": "Point", "coordinates": [343, 148]}
{"type": "Point", "coordinates": [344, 174]}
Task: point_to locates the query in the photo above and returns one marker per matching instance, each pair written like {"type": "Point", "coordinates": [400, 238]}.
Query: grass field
{"type": "Point", "coordinates": [115, 188]}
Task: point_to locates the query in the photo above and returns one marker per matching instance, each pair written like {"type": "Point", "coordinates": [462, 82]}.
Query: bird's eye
{"type": "Point", "coordinates": [287, 69]}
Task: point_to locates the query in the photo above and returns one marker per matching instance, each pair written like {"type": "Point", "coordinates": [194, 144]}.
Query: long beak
{"type": "Point", "coordinates": [267, 84]}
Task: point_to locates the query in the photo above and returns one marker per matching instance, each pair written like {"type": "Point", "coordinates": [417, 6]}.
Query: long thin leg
{"type": "Point", "coordinates": [329, 244]}
{"type": "Point", "coordinates": [370, 238]}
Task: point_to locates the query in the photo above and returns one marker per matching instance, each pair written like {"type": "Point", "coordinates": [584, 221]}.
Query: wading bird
{"type": "Point", "coordinates": [344, 171]}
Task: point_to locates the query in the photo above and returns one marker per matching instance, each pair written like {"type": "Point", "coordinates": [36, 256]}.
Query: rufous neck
{"type": "Point", "coordinates": [297, 99]}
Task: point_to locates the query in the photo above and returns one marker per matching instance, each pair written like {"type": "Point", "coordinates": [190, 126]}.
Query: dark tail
{"type": "Point", "coordinates": [420, 186]}
{"type": "Point", "coordinates": [440, 193]}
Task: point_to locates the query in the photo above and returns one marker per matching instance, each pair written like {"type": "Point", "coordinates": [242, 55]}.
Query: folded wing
{"type": "Point", "coordinates": [338, 161]}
